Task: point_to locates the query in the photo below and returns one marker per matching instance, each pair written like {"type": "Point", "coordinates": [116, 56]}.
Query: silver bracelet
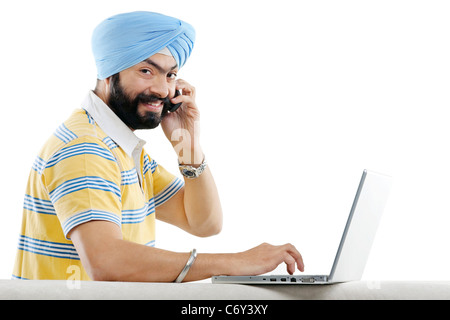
{"type": "Point", "coordinates": [188, 265]}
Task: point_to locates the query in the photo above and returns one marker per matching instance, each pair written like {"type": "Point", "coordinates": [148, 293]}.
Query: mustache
{"type": "Point", "coordinates": [145, 98]}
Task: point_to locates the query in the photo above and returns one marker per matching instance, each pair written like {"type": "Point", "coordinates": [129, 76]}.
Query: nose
{"type": "Point", "coordinates": [159, 88]}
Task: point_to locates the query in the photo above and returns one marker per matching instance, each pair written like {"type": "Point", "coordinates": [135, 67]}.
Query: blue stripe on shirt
{"type": "Point", "coordinates": [168, 192]}
{"type": "Point", "coordinates": [38, 165]}
{"type": "Point", "coordinates": [85, 182]}
{"type": "Point", "coordinates": [149, 165]}
{"type": "Point", "coordinates": [64, 134]}
{"type": "Point", "coordinates": [38, 205]}
{"type": "Point", "coordinates": [80, 149]}
{"type": "Point", "coordinates": [48, 248]}
{"type": "Point", "coordinates": [129, 177]}
{"type": "Point", "coordinates": [138, 215]}
{"type": "Point", "coordinates": [89, 215]}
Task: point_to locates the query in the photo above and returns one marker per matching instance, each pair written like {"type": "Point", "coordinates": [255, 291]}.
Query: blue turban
{"type": "Point", "coordinates": [126, 39]}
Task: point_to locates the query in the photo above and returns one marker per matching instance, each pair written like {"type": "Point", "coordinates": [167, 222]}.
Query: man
{"type": "Point", "coordinates": [94, 193]}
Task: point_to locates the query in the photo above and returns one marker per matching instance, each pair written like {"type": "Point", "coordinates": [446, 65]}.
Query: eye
{"type": "Point", "coordinates": [146, 71]}
{"type": "Point", "coordinates": [172, 76]}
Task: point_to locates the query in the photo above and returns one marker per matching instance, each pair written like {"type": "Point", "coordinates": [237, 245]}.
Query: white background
{"type": "Point", "coordinates": [296, 98]}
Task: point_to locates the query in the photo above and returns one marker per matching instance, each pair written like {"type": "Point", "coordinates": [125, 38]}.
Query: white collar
{"type": "Point", "coordinates": [110, 123]}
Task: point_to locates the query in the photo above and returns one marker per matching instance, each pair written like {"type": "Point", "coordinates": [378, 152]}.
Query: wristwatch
{"type": "Point", "coordinates": [190, 172]}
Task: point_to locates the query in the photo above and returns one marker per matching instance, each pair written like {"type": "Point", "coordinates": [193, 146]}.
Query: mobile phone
{"type": "Point", "coordinates": [173, 107]}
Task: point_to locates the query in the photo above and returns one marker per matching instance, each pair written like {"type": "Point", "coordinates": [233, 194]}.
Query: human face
{"type": "Point", "coordinates": [138, 94]}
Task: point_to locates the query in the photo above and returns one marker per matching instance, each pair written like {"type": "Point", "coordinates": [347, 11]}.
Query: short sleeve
{"type": "Point", "coordinates": [83, 183]}
{"type": "Point", "coordinates": [165, 185]}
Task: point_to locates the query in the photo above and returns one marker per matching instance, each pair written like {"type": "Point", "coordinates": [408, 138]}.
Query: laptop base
{"type": "Point", "coordinates": [272, 279]}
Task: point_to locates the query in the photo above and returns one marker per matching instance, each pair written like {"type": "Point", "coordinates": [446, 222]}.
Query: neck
{"type": "Point", "coordinates": [100, 90]}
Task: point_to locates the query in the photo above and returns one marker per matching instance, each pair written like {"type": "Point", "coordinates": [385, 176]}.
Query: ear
{"type": "Point", "coordinates": [102, 88]}
{"type": "Point", "coordinates": [107, 82]}
{"type": "Point", "coordinates": [101, 85]}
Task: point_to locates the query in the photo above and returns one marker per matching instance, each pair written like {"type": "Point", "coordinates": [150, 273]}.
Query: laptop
{"type": "Point", "coordinates": [354, 248]}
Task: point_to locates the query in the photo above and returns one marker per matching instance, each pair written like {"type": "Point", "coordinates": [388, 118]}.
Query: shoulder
{"type": "Point", "coordinates": [78, 134]}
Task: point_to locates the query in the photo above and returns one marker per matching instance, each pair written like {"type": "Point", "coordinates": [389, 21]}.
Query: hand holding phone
{"type": "Point", "coordinates": [173, 107]}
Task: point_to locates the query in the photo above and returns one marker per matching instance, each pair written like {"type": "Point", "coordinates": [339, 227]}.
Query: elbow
{"type": "Point", "coordinates": [100, 267]}
{"type": "Point", "coordinates": [99, 272]}
{"type": "Point", "coordinates": [216, 227]}
{"type": "Point", "coordinates": [210, 230]}
{"type": "Point", "coordinates": [215, 230]}
{"type": "Point", "coordinates": [206, 234]}
{"type": "Point", "coordinates": [97, 275]}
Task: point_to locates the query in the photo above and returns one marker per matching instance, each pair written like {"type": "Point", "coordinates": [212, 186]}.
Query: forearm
{"type": "Point", "coordinates": [134, 262]}
{"type": "Point", "coordinates": [201, 212]}
{"type": "Point", "coordinates": [202, 204]}
{"type": "Point", "coordinates": [201, 201]}
{"type": "Point", "coordinates": [106, 256]}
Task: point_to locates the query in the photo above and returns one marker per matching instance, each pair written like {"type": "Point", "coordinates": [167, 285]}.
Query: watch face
{"type": "Point", "coordinates": [188, 173]}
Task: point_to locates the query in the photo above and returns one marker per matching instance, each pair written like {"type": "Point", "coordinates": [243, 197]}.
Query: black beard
{"type": "Point", "coordinates": [126, 108]}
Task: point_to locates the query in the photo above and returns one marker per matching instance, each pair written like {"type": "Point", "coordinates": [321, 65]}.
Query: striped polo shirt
{"type": "Point", "coordinates": [92, 168]}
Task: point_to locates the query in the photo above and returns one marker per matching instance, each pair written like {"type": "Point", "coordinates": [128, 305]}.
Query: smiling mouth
{"type": "Point", "coordinates": [155, 106]}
